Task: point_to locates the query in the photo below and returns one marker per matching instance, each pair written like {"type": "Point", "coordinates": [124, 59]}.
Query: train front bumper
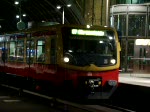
{"type": "Point", "coordinates": [93, 89]}
{"type": "Point", "coordinates": [101, 94]}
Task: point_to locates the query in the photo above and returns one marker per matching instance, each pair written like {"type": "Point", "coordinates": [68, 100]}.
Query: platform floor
{"type": "Point", "coordinates": [136, 79]}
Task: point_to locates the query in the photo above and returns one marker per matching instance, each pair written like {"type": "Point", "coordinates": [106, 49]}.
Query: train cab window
{"type": "Point", "coordinates": [12, 51]}
{"type": "Point", "coordinates": [40, 51]}
{"type": "Point", "coordinates": [30, 51]}
{"type": "Point", "coordinates": [20, 50]}
{"type": "Point", "coordinates": [53, 51]}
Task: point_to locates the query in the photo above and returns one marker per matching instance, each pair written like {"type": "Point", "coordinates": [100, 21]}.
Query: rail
{"type": "Point", "coordinates": [68, 104]}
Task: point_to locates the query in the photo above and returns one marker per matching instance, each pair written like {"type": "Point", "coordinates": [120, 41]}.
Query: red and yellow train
{"type": "Point", "coordinates": [70, 59]}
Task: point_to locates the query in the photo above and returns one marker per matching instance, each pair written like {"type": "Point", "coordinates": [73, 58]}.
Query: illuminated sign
{"type": "Point", "coordinates": [144, 42]}
{"type": "Point", "coordinates": [87, 32]}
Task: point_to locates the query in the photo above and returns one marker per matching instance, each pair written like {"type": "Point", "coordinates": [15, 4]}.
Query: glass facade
{"type": "Point", "coordinates": [132, 1]}
{"type": "Point", "coordinates": [137, 25]}
{"type": "Point", "coordinates": [120, 23]}
{"type": "Point", "coordinates": [133, 20]}
{"type": "Point", "coordinates": [148, 27]}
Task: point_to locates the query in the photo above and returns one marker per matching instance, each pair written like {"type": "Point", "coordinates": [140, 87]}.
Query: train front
{"type": "Point", "coordinates": [91, 61]}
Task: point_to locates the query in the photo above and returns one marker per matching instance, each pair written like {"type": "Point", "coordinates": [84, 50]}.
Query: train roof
{"type": "Point", "coordinates": [55, 28]}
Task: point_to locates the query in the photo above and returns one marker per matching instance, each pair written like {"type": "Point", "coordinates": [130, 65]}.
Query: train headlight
{"type": "Point", "coordinates": [66, 59]}
{"type": "Point", "coordinates": [112, 61]}
{"type": "Point", "coordinates": [112, 82]}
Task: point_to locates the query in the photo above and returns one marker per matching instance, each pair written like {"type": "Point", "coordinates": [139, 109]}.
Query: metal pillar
{"type": "Point", "coordinates": [107, 12]}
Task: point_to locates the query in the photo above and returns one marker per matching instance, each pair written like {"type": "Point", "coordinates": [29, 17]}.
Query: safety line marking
{"type": "Point", "coordinates": [10, 101]}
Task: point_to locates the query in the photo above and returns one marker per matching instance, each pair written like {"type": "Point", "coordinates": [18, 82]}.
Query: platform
{"type": "Point", "coordinates": [135, 78]}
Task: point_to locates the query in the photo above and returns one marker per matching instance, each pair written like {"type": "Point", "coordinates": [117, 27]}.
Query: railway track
{"type": "Point", "coordinates": [71, 106]}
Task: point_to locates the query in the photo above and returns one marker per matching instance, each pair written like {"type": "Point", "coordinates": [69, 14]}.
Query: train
{"type": "Point", "coordinates": [71, 60]}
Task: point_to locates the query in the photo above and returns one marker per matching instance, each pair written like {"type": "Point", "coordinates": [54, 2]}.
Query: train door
{"type": "Point", "coordinates": [123, 58]}
{"type": "Point", "coordinates": [142, 56]}
{"type": "Point", "coordinates": [30, 51]}
{"type": "Point", "coordinates": [53, 55]}
{"type": "Point", "coordinates": [1, 46]}
{"type": "Point", "coordinates": [30, 56]}
{"type": "Point", "coordinates": [130, 55]}
{"type": "Point", "coordinates": [2, 61]}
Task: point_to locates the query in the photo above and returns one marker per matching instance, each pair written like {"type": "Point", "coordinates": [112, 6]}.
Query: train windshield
{"type": "Point", "coordinates": [85, 47]}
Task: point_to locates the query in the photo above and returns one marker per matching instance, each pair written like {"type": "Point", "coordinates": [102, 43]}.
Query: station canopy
{"type": "Point", "coordinates": [38, 11]}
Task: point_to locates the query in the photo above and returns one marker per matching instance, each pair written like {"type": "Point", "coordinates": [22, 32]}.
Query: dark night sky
{"type": "Point", "coordinates": [37, 11]}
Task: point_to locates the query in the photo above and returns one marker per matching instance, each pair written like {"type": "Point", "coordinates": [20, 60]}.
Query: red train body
{"type": "Point", "coordinates": [62, 59]}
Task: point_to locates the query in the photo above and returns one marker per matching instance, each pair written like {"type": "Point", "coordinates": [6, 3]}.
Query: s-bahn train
{"type": "Point", "coordinates": [64, 59]}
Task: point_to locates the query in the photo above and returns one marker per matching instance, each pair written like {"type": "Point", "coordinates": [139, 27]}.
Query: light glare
{"type": "Point", "coordinates": [101, 41]}
{"type": "Point", "coordinates": [17, 16]}
{"type": "Point", "coordinates": [16, 2]}
{"type": "Point", "coordinates": [24, 15]}
{"type": "Point", "coordinates": [113, 61]}
{"type": "Point", "coordinates": [88, 26]}
{"type": "Point", "coordinates": [58, 7]}
{"type": "Point", "coordinates": [69, 5]}
{"type": "Point", "coordinates": [110, 38]}
{"type": "Point", "coordinates": [66, 59]}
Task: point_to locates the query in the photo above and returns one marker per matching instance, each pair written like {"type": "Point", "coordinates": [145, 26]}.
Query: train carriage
{"type": "Point", "coordinates": [70, 59]}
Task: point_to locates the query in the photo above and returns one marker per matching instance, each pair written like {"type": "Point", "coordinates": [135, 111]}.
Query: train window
{"type": "Point", "coordinates": [12, 51]}
{"type": "Point", "coordinates": [30, 51]}
{"type": "Point", "coordinates": [20, 50]}
{"type": "Point", "coordinates": [1, 46]}
{"type": "Point", "coordinates": [53, 51]}
{"type": "Point", "coordinates": [3, 52]}
{"type": "Point", "coordinates": [40, 51]}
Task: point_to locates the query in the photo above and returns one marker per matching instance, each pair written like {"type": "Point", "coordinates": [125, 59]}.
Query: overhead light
{"type": "Point", "coordinates": [58, 7]}
{"type": "Point", "coordinates": [68, 5]}
{"type": "Point", "coordinates": [16, 2]}
{"type": "Point", "coordinates": [62, 6]}
{"type": "Point", "coordinates": [17, 16]}
{"type": "Point", "coordinates": [24, 15]}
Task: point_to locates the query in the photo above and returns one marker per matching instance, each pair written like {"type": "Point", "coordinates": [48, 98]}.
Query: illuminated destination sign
{"type": "Point", "coordinates": [87, 32]}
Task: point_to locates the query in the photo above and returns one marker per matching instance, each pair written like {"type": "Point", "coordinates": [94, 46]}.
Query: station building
{"type": "Point", "coordinates": [132, 19]}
